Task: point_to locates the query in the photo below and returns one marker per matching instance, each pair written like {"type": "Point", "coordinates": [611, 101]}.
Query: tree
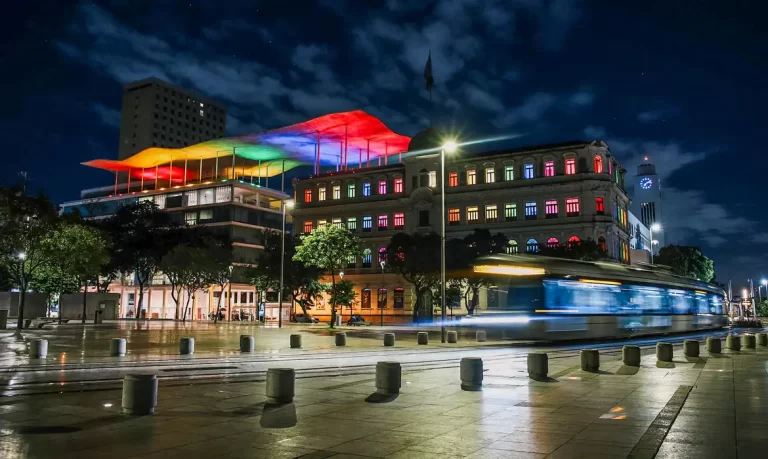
{"type": "Point", "coordinates": [761, 308]}
{"type": "Point", "coordinates": [461, 258]}
{"type": "Point", "coordinates": [417, 258]}
{"type": "Point", "coordinates": [585, 250]}
{"type": "Point", "coordinates": [328, 248]}
{"type": "Point", "coordinates": [342, 294]}
{"type": "Point", "coordinates": [687, 261]}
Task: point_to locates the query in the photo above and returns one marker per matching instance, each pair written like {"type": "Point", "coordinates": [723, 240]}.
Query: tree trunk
{"type": "Point", "coordinates": [85, 300]}
{"type": "Point", "coordinates": [186, 306]}
{"type": "Point", "coordinates": [333, 299]}
{"type": "Point", "coordinates": [140, 303]}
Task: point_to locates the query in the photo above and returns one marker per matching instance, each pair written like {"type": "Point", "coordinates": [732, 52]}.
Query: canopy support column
{"type": "Point", "coordinates": [368, 153]}
{"type": "Point", "coordinates": [157, 174]}
{"type": "Point", "coordinates": [129, 181]}
{"type": "Point", "coordinates": [115, 192]}
{"type": "Point", "coordinates": [282, 178]}
{"type": "Point", "coordinates": [267, 178]}
{"type": "Point", "coordinates": [142, 179]}
{"type": "Point", "coordinates": [186, 158]}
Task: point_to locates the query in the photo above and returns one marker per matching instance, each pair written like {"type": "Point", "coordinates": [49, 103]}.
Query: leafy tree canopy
{"type": "Point", "coordinates": [687, 261]}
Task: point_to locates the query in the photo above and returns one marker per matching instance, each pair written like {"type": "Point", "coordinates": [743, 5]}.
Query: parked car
{"type": "Point", "coordinates": [357, 319]}
{"type": "Point", "coordinates": [304, 319]}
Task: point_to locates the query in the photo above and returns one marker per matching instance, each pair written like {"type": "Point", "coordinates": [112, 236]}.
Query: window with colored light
{"type": "Point", "coordinates": [307, 227]}
{"type": "Point", "coordinates": [512, 247]}
{"type": "Point", "coordinates": [321, 223]}
{"type": "Point", "coordinates": [509, 173]}
{"type": "Point", "coordinates": [336, 191]}
{"type": "Point", "coordinates": [399, 220]}
{"type": "Point", "coordinates": [471, 177]}
{"type": "Point", "coordinates": [510, 212]}
{"type": "Point", "coordinates": [553, 243]}
{"type": "Point", "coordinates": [337, 223]}
{"type": "Point", "coordinates": [528, 171]}
{"type": "Point", "coordinates": [367, 258]}
{"type": "Point", "coordinates": [530, 211]}
{"type": "Point", "coordinates": [570, 166]}
{"type": "Point", "coordinates": [432, 179]}
{"type": "Point", "coordinates": [549, 169]}
{"type": "Point", "coordinates": [351, 190]}
{"type": "Point", "coordinates": [454, 217]}
{"type": "Point", "coordinates": [367, 224]}
{"type": "Point", "coordinates": [473, 214]}
{"type": "Point", "coordinates": [453, 179]}
{"type": "Point", "coordinates": [321, 194]}
{"type": "Point", "coordinates": [490, 175]}
{"type": "Point", "coordinates": [550, 208]}
{"type": "Point", "coordinates": [491, 213]}
{"type": "Point", "coordinates": [382, 187]}
{"type": "Point", "coordinates": [383, 254]}
{"type": "Point", "coordinates": [598, 164]}
{"type": "Point", "coordinates": [532, 246]}
{"type": "Point", "coordinates": [573, 241]}
{"type": "Point", "coordinates": [366, 188]}
{"type": "Point", "coordinates": [399, 185]}
{"type": "Point", "coordinates": [572, 207]}
{"type": "Point", "coordinates": [383, 222]}
{"type": "Point", "coordinates": [308, 195]}
{"type": "Point", "coordinates": [601, 243]}
{"type": "Point", "coordinates": [599, 206]}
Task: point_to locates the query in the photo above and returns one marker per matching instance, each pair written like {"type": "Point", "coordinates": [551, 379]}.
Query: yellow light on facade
{"type": "Point", "coordinates": [596, 281]}
{"type": "Point", "coordinates": [509, 270]}
{"type": "Point", "coordinates": [701, 292]}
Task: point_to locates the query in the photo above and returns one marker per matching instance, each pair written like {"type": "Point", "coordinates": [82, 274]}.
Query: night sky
{"type": "Point", "coordinates": [683, 82]}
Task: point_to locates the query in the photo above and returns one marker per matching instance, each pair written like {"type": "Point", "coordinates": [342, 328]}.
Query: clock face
{"type": "Point", "coordinates": [645, 183]}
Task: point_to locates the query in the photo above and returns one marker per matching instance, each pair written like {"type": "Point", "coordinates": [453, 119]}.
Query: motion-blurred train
{"type": "Point", "coordinates": [542, 298]}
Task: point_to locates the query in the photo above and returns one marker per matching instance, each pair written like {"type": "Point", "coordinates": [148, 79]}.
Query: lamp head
{"type": "Point", "coordinates": [655, 227]}
{"type": "Point", "coordinates": [22, 255]}
{"type": "Point", "coordinates": [764, 281]}
{"type": "Point", "coordinates": [450, 146]}
{"type": "Point", "coordinates": [289, 204]}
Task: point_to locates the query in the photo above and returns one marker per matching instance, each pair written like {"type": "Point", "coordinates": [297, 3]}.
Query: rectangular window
{"type": "Point", "coordinates": [367, 259]}
{"type": "Point", "coordinates": [399, 221]}
{"type": "Point", "coordinates": [351, 190]}
{"type": "Point", "coordinates": [491, 213]}
{"type": "Point", "coordinates": [191, 198]}
{"type": "Point", "coordinates": [206, 215]}
{"type": "Point", "coordinates": [432, 179]}
{"type": "Point", "coordinates": [381, 301]}
{"type": "Point", "coordinates": [307, 227]}
{"type": "Point", "coordinates": [383, 223]}
{"type": "Point", "coordinates": [352, 223]}
{"type": "Point", "coordinates": [454, 217]}
{"type": "Point", "coordinates": [490, 175]}
{"type": "Point", "coordinates": [321, 194]}
{"type": "Point", "coordinates": [399, 185]}
{"type": "Point", "coordinates": [190, 218]}
{"type": "Point", "coordinates": [399, 298]}
{"type": "Point", "coordinates": [365, 298]}
{"type": "Point", "coordinates": [423, 218]}
{"type": "Point", "coordinates": [337, 223]}
{"type": "Point", "coordinates": [570, 166]}
{"type": "Point", "coordinates": [473, 214]}
{"type": "Point", "coordinates": [321, 223]}
{"type": "Point", "coordinates": [366, 188]}
{"type": "Point", "coordinates": [453, 179]}
{"type": "Point", "coordinates": [382, 187]}
{"type": "Point", "coordinates": [510, 212]}
{"type": "Point", "coordinates": [549, 169]}
{"type": "Point", "coordinates": [530, 211]}
{"type": "Point", "coordinates": [572, 207]}
{"type": "Point", "coordinates": [471, 177]}
{"type": "Point", "coordinates": [528, 171]}
{"type": "Point", "coordinates": [160, 201]}
{"type": "Point", "coordinates": [550, 208]}
{"type": "Point", "coordinates": [336, 192]}
{"type": "Point", "coordinates": [509, 173]}
{"type": "Point", "coordinates": [220, 194]}
{"type": "Point", "coordinates": [599, 206]}
{"type": "Point", "coordinates": [308, 195]}
{"type": "Point", "coordinates": [367, 224]}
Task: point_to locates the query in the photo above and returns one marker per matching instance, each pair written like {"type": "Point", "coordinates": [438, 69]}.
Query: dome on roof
{"type": "Point", "coordinates": [427, 139]}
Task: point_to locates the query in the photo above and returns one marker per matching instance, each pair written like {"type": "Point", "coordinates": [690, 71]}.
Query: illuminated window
{"type": "Point", "coordinates": [510, 212]}
{"type": "Point", "coordinates": [490, 175]}
{"type": "Point", "coordinates": [206, 215]}
{"type": "Point", "coordinates": [454, 217]}
{"type": "Point", "coordinates": [471, 177]}
{"type": "Point", "coordinates": [453, 179]}
{"type": "Point", "coordinates": [599, 206]}
{"type": "Point", "coordinates": [473, 214]}
{"type": "Point", "coordinates": [307, 227]}
{"type": "Point", "coordinates": [383, 223]}
{"type": "Point", "coordinates": [530, 211]}
{"type": "Point", "coordinates": [491, 213]}
{"type": "Point", "coordinates": [367, 189]}
{"type": "Point", "coordinates": [549, 169]}
{"type": "Point", "coordinates": [381, 301]}
{"type": "Point", "coordinates": [308, 195]}
{"type": "Point", "coordinates": [550, 208]}
{"type": "Point", "coordinates": [432, 179]}
{"type": "Point", "coordinates": [321, 193]}
{"type": "Point", "coordinates": [570, 166]}
{"type": "Point", "coordinates": [337, 223]}
{"type": "Point", "coordinates": [532, 246]}
{"type": "Point", "coordinates": [509, 173]}
{"type": "Point", "coordinates": [573, 241]}
{"type": "Point", "coordinates": [336, 191]}
{"type": "Point", "coordinates": [398, 185]}
{"type": "Point", "coordinates": [598, 164]}
{"type": "Point", "coordinates": [528, 171]}
{"type": "Point", "coordinates": [553, 243]}
{"type": "Point", "coordinates": [365, 298]}
{"type": "Point", "coordinates": [321, 223]}
{"type": "Point", "coordinates": [610, 167]}
{"type": "Point", "coordinates": [601, 243]}
{"type": "Point", "coordinates": [382, 187]}
{"type": "Point", "coordinates": [512, 247]}
{"type": "Point", "coordinates": [383, 254]}
{"type": "Point", "coordinates": [190, 218]}
{"type": "Point", "coordinates": [367, 258]}
{"type": "Point", "coordinates": [367, 224]}
{"type": "Point", "coordinates": [572, 207]}
{"type": "Point", "coordinates": [351, 190]}
{"type": "Point", "coordinates": [399, 221]}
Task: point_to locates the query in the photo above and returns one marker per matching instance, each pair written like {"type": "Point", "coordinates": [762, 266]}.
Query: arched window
{"type": "Point", "coordinates": [598, 164]}
{"type": "Point", "coordinates": [573, 241]}
{"type": "Point", "coordinates": [383, 254]}
{"type": "Point", "coordinates": [552, 243]}
{"type": "Point", "coordinates": [601, 242]}
{"type": "Point", "coordinates": [512, 247]}
{"type": "Point", "coordinates": [532, 246]}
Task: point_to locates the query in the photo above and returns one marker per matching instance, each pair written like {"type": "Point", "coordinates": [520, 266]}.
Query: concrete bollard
{"type": "Point", "coordinates": [590, 360]}
{"type": "Point", "coordinates": [388, 376]}
{"type": "Point", "coordinates": [453, 337]}
{"type": "Point", "coordinates": [389, 339]}
{"type": "Point", "coordinates": [341, 339]}
{"type": "Point", "coordinates": [733, 342]}
{"type": "Point", "coordinates": [749, 341]}
{"type": "Point", "coordinates": [691, 348]}
{"type": "Point", "coordinates": [117, 347]}
{"type": "Point", "coordinates": [664, 352]}
{"type": "Point", "coordinates": [139, 394]}
{"type": "Point", "coordinates": [187, 346]}
{"type": "Point", "coordinates": [422, 338]}
{"type": "Point", "coordinates": [481, 336]}
{"type": "Point", "coordinates": [762, 339]}
{"type": "Point", "coordinates": [538, 365]}
{"type": "Point", "coordinates": [295, 341]}
{"type": "Point", "coordinates": [281, 385]}
{"type": "Point", "coordinates": [630, 355]}
{"type": "Point", "coordinates": [38, 348]}
{"type": "Point", "coordinates": [714, 345]}
{"type": "Point", "coordinates": [471, 371]}
{"type": "Point", "coordinates": [247, 343]}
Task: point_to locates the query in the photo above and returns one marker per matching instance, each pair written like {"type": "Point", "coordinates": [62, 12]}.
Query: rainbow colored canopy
{"type": "Point", "coordinates": [344, 138]}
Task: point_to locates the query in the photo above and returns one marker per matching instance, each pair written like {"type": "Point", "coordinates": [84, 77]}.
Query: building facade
{"type": "Point", "coordinates": [158, 114]}
{"type": "Point", "coordinates": [647, 203]}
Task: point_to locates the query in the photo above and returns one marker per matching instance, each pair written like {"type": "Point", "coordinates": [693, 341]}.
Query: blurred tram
{"type": "Point", "coordinates": [543, 298]}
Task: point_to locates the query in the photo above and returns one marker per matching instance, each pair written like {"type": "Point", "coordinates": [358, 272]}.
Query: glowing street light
{"type": "Point", "coordinates": [21, 256]}
{"type": "Point", "coordinates": [652, 228]}
{"type": "Point", "coordinates": [448, 147]}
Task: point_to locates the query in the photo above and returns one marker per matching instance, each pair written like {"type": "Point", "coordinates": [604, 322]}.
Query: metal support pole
{"type": "Point", "coordinates": [186, 159]}
{"type": "Point", "coordinates": [651, 231]}
{"type": "Point", "coordinates": [114, 192]}
{"type": "Point", "coordinates": [259, 174]}
{"type": "Point", "coordinates": [442, 246]}
{"type": "Point", "coordinates": [267, 178]}
{"type": "Point", "coordinates": [129, 181]}
{"type": "Point", "coordinates": [317, 160]}
{"type": "Point", "coordinates": [170, 173]}
{"type": "Point", "coordinates": [341, 157]}
{"type": "Point", "coordinates": [359, 158]}
{"type": "Point", "coordinates": [386, 154]}
{"type": "Point", "coordinates": [200, 172]}
{"type": "Point", "coordinates": [157, 175]}
{"type": "Point", "coordinates": [346, 145]}
{"type": "Point", "coordinates": [142, 179]}
{"type": "Point", "coordinates": [282, 178]}
{"type": "Point", "coordinates": [368, 153]}
{"type": "Point", "coordinates": [234, 154]}
{"type": "Point", "coordinates": [216, 177]}
{"type": "Point", "coordinates": [229, 296]}
{"type": "Point", "coordinates": [282, 270]}
{"type": "Point", "coordinates": [381, 309]}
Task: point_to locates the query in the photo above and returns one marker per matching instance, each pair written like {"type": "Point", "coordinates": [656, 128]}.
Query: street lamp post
{"type": "Point", "coordinates": [652, 228]}
{"type": "Point", "coordinates": [381, 288]}
{"type": "Point", "coordinates": [765, 285]}
{"type": "Point", "coordinates": [229, 296]}
{"type": "Point", "coordinates": [449, 147]}
{"type": "Point", "coordinates": [286, 204]}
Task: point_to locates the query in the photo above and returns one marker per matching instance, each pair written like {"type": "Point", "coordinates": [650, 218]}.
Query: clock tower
{"type": "Point", "coordinates": [647, 202]}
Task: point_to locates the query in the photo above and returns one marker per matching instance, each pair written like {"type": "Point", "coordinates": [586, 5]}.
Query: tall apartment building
{"type": "Point", "coordinates": [158, 114]}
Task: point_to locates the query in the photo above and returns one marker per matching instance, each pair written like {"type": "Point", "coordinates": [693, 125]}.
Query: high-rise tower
{"type": "Point", "coordinates": [647, 200]}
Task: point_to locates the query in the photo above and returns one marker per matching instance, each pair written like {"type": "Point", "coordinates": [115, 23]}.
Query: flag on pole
{"type": "Point", "coordinates": [430, 81]}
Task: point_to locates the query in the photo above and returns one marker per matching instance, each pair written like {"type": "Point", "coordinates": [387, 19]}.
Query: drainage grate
{"type": "Point", "coordinates": [40, 430]}
{"type": "Point", "coordinates": [181, 370]}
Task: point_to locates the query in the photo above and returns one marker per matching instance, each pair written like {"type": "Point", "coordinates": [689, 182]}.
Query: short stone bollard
{"type": "Point", "coordinates": [762, 339]}
{"type": "Point", "coordinates": [341, 339]}
{"type": "Point", "coordinates": [295, 341]}
{"type": "Point", "coordinates": [538, 365]}
{"type": "Point", "coordinates": [453, 337]}
{"type": "Point", "coordinates": [714, 345]}
{"type": "Point", "coordinates": [139, 394]}
{"type": "Point", "coordinates": [117, 347]}
{"type": "Point", "coordinates": [691, 348]}
{"type": "Point", "coordinates": [471, 371]}
{"type": "Point", "coordinates": [187, 346]}
{"type": "Point", "coordinates": [247, 343]}
{"type": "Point", "coordinates": [388, 376]}
{"type": "Point", "coordinates": [590, 360]}
{"type": "Point", "coordinates": [664, 352]}
{"type": "Point", "coordinates": [481, 336]}
{"type": "Point", "coordinates": [422, 338]}
{"type": "Point", "coordinates": [630, 355]}
{"type": "Point", "coordinates": [281, 385]}
{"type": "Point", "coordinates": [38, 348]}
{"type": "Point", "coordinates": [749, 341]}
{"type": "Point", "coordinates": [389, 339]}
{"type": "Point", "coordinates": [733, 342]}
